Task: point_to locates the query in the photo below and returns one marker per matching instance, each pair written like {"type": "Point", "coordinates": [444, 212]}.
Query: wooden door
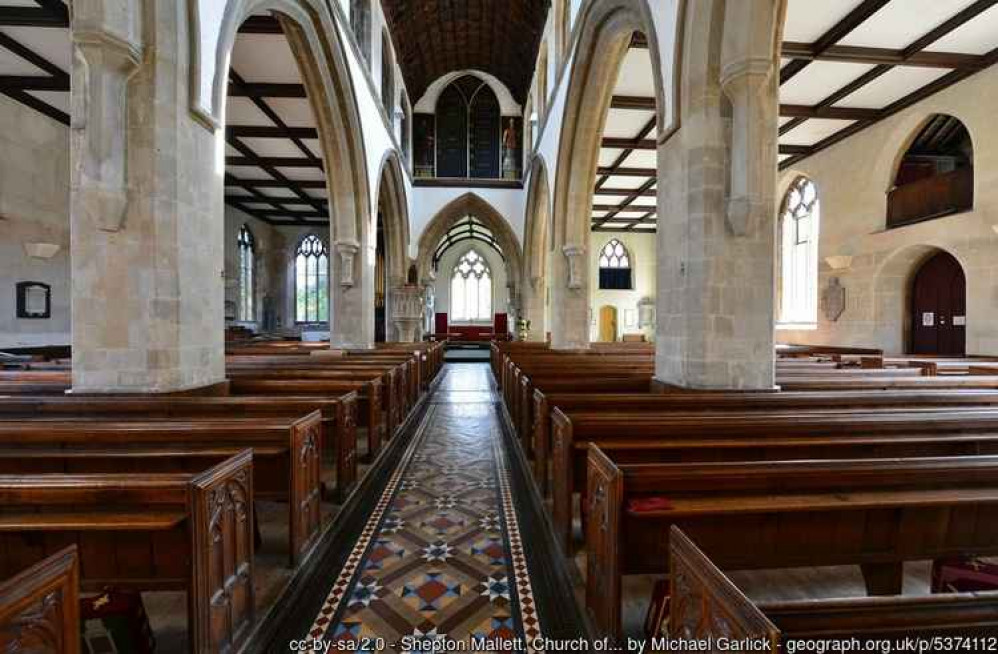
{"type": "Point", "coordinates": [607, 324]}
{"type": "Point", "coordinates": [452, 134]}
{"type": "Point", "coordinates": [938, 307]}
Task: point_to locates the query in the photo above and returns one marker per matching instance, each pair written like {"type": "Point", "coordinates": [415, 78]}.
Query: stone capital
{"type": "Point", "coordinates": [574, 255]}
{"type": "Point", "coordinates": [347, 249]}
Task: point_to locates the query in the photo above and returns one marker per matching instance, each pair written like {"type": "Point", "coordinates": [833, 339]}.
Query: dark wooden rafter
{"type": "Point", "coordinates": [883, 60]}
{"type": "Point", "coordinates": [48, 14]}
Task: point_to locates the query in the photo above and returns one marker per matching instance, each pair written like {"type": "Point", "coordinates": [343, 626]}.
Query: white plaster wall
{"type": "Point", "coordinates": [427, 201]}
{"type": "Point", "coordinates": [34, 207]}
{"type": "Point", "coordinates": [641, 248]}
{"type": "Point", "coordinates": [852, 179]}
{"type": "Point", "coordinates": [500, 293]}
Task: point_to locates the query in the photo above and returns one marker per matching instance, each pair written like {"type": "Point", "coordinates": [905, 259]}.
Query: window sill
{"type": "Point", "coordinates": [797, 326]}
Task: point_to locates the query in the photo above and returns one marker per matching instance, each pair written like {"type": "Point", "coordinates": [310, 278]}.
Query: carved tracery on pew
{"type": "Point", "coordinates": [604, 490]}
{"type": "Point", "coordinates": [306, 480]}
{"type": "Point", "coordinates": [346, 447]}
{"type": "Point", "coordinates": [224, 603]}
{"type": "Point", "coordinates": [704, 603]}
{"type": "Point", "coordinates": [39, 608]}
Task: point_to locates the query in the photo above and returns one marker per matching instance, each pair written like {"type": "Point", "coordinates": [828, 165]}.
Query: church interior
{"type": "Point", "coordinates": [421, 326]}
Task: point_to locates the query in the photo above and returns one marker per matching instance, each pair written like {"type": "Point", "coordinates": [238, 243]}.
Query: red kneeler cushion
{"type": "Point", "coordinates": [115, 621]}
{"type": "Point", "coordinates": [963, 575]}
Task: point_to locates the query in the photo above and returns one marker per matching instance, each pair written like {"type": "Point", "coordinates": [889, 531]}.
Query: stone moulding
{"type": "Point", "coordinates": [574, 255]}
{"type": "Point", "coordinates": [348, 252]}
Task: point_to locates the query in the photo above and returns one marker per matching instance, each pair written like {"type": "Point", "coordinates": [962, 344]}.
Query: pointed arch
{"type": "Point", "coordinates": [459, 208]}
{"type": "Point", "coordinates": [537, 230]}
{"type": "Point", "coordinates": [393, 206]}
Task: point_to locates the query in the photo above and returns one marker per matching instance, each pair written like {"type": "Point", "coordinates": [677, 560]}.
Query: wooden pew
{"type": "Point", "coordinates": [705, 603]}
{"type": "Point", "coordinates": [539, 418]}
{"type": "Point", "coordinates": [572, 434]}
{"type": "Point", "coordinates": [287, 454]}
{"type": "Point", "coordinates": [179, 531]}
{"type": "Point", "coordinates": [876, 513]}
{"type": "Point", "coordinates": [339, 417]}
{"type": "Point", "coordinates": [887, 383]}
{"type": "Point", "coordinates": [40, 606]}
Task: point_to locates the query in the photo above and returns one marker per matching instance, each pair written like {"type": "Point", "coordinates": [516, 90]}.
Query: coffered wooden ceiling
{"type": "Point", "coordinates": [435, 37]}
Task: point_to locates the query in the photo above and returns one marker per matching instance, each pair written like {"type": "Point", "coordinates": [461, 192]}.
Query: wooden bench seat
{"type": "Point", "coordinates": [155, 531]}
{"type": "Point", "coordinates": [699, 590]}
{"type": "Point", "coordinates": [876, 513]}
{"type": "Point", "coordinates": [572, 432]}
{"type": "Point", "coordinates": [287, 454]}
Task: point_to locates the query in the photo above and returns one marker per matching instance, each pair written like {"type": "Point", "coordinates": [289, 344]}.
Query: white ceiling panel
{"type": "Point", "coordinates": [635, 77]}
{"type": "Point", "coordinates": [807, 20]}
{"type": "Point", "coordinates": [303, 173]}
{"type": "Point", "coordinates": [273, 147]}
{"type": "Point", "coordinates": [608, 155]}
{"type": "Point", "coordinates": [609, 199]}
{"type": "Point", "coordinates": [238, 191]}
{"type": "Point", "coordinates": [295, 112]}
{"type": "Point", "coordinates": [242, 111]}
{"type": "Point", "coordinates": [819, 80]}
{"type": "Point", "coordinates": [614, 225]}
{"type": "Point", "coordinates": [58, 99]}
{"type": "Point", "coordinates": [632, 214]}
{"type": "Point", "coordinates": [247, 172]}
{"type": "Point", "coordinates": [624, 123]}
{"type": "Point", "coordinates": [53, 44]}
{"type": "Point", "coordinates": [811, 131]}
{"type": "Point", "coordinates": [619, 181]}
{"type": "Point", "coordinates": [644, 227]}
{"type": "Point", "coordinates": [314, 146]}
{"type": "Point", "coordinates": [279, 193]}
{"type": "Point", "coordinates": [892, 85]}
{"type": "Point", "coordinates": [599, 214]}
{"type": "Point", "coordinates": [975, 37]}
{"type": "Point", "coordinates": [265, 58]}
{"type": "Point", "coordinates": [898, 24]}
{"type": "Point", "coordinates": [319, 193]}
{"type": "Point", "coordinates": [642, 159]}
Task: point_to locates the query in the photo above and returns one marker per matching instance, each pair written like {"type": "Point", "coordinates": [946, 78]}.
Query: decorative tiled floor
{"type": "Point", "coordinates": [441, 555]}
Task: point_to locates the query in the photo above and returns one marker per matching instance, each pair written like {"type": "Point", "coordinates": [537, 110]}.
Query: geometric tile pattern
{"type": "Point", "coordinates": [441, 556]}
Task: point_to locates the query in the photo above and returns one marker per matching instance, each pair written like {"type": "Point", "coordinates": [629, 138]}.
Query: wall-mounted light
{"type": "Point", "coordinates": [41, 250]}
{"type": "Point", "coordinates": [839, 262]}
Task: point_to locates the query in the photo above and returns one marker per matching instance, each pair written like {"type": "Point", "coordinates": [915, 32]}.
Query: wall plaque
{"type": "Point", "coordinates": [833, 299]}
{"type": "Point", "coordinates": [34, 300]}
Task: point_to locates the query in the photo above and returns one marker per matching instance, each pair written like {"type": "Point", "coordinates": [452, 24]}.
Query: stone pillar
{"type": "Point", "coordinates": [717, 239]}
{"type": "Point", "coordinates": [145, 206]}
{"type": "Point", "coordinates": [534, 297]}
{"type": "Point", "coordinates": [407, 312]}
{"type": "Point", "coordinates": [570, 299]}
{"type": "Point", "coordinates": [351, 295]}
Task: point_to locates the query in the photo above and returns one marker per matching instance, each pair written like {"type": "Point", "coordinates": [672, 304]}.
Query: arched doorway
{"type": "Point", "coordinates": [939, 307]}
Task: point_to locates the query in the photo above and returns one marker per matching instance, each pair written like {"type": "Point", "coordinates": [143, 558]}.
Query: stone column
{"type": "Point", "coordinates": [570, 299]}
{"type": "Point", "coordinates": [534, 296]}
{"type": "Point", "coordinates": [145, 206]}
{"type": "Point", "coordinates": [351, 295]}
{"type": "Point", "coordinates": [407, 312]}
{"type": "Point", "coordinates": [717, 239]}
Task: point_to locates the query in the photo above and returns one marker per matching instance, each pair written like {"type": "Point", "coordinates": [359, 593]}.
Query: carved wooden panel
{"type": "Point", "coordinates": [705, 603]}
{"type": "Point", "coordinates": [40, 607]}
{"type": "Point", "coordinates": [604, 494]}
{"type": "Point", "coordinates": [346, 445]}
{"type": "Point", "coordinates": [222, 594]}
{"type": "Point", "coordinates": [561, 464]}
{"type": "Point", "coordinates": [306, 487]}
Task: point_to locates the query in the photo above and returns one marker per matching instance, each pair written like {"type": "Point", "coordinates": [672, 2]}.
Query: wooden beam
{"type": "Point", "coordinates": [865, 55]}
{"type": "Point", "coordinates": [261, 25]}
{"type": "Point", "coordinates": [40, 106]}
{"type": "Point", "coordinates": [268, 132]}
{"type": "Point", "coordinates": [277, 162]}
{"type": "Point", "coordinates": [639, 40]}
{"type": "Point", "coordinates": [818, 111]}
{"type": "Point", "coordinates": [794, 149]}
{"type": "Point", "coordinates": [267, 90]}
{"type": "Point", "coordinates": [34, 83]}
{"type": "Point", "coordinates": [31, 17]}
{"type": "Point", "coordinates": [272, 183]}
{"type": "Point", "coordinates": [627, 172]}
{"type": "Point", "coordinates": [632, 102]}
{"type": "Point", "coordinates": [626, 192]}
{"type": "Point", "coordinates": [629, 144]}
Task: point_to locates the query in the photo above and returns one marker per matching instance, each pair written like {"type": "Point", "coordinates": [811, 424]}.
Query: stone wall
{"type": "Point", "coordinates": [34, 208]}
{"type": "Point", "coordinates": [853, 178]}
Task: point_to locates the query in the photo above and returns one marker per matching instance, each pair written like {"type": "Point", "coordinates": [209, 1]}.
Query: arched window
{"type": "Point", "coordinates": [935, 178]}
{"type": "Point", "coordinates": [311, 281]}
{"type": "Point", "coordinates": [799, 223]}
{"type": "Point", "coordinates": [247, 276]}
{"type": "Point", "coordinates": [360, 24]}
{"type": "Point", "coordinates": [614, 266]}
{"type": "Point", "coordinates": [468, 130]}
{"type": "Point", "coordinates": [471, 289]}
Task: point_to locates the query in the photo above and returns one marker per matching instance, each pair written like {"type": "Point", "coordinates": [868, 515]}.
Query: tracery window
{"type": "Point", "coordinates": [798, 290]}
{"type": "Point", "coordinates": [471, 289]}
{"type": "Point", "coordinates": [311, 281]}
{"type": "Point", "coordinates": [614, 266]}
{"type": "Point", "coordinates": [247, 276]}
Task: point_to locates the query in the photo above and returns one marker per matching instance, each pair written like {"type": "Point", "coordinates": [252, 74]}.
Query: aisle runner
{"type": "Point", "coordinates": [440, 558]}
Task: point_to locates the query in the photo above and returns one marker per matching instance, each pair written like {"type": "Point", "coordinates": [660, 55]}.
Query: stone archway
{"type": "Point", "coordinates": [403, 301]}
{"type": "Point", "coordinates": [314, 39]}
{"type": "Point", "coordinates": [536, 241]}
{"type": "Point", "coordinates": [605, 32]}
{"type": "Point", "coordinates": [459, 208]}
